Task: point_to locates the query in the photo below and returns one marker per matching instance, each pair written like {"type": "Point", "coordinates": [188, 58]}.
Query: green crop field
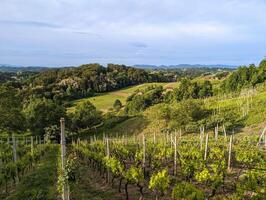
{"type": "Point", "coordinates": [105, 101]}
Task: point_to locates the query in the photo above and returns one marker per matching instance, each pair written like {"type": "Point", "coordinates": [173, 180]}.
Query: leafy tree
{"type": "Point", "coordinates": [262, 70]}
{"type": "Point", "coordinates": [52, 133]}
{"type": "Point", "coordinates": [189, 89]}
{"type": "Point", "coordinates": [244, 77]}
{"type": "Point", "coordinates": [137, 104]}
{"type": "Point", "coordinates": [205, 89]}
{"type": "Point", "coordinates": [187, 112]}
{"type": "Point", "coordinates": [117, 105]}
{"type": "Point", "coordinates": [83, 81]}
{"type": "Point", "coordinates": [85, 116]}
{"type": "Point", "coordinates": [142, 99]}
{"type": "Point", "coordinates": [11, 118]}
{"type": "Point", "coordinates": [41, 113]}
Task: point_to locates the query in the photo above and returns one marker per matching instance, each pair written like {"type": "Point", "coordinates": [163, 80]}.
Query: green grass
{"type": "Point", "coordinates": [40, 184]}
{"type": "Point", "coordinates": [257, 110]}
{"type": "Point", "coordinates": [131, 126]}
{"type": "Point", "coordinates": [105, 101]}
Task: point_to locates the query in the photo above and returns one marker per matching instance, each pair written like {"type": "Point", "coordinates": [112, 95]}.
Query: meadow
{"type": "Point", "coordinates": [106, 100]}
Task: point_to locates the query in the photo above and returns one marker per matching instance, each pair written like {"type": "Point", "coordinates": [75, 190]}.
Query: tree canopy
{"type": "Point", "coordinates": [42, 113]}
{"type": "Point", "coordinates": [85, 116]}
{"type": "Point", "coordinates": [12, 118]}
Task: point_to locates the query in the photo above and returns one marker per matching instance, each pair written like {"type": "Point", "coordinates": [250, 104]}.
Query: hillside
{"type": "Point", "coordinates": [202, 134]}
{"type": "Point", "coordinates": [105, 101]}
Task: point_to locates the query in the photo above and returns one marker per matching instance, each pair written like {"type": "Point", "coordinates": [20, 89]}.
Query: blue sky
{"type": "Point", "coordinates": [72, 32]}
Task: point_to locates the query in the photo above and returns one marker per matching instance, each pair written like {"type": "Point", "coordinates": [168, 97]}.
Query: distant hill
{"type": "Point", "coordinates": [184, 66]}
{"type": "Point", "coordinates": [16, 68]}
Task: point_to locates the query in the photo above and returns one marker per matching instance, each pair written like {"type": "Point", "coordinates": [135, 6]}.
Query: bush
{"type": "Point", "coordinates": [187, 191]}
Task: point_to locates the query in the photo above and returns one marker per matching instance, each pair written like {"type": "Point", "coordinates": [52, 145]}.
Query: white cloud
{"type": "Point", "coordinates": [133, 31]}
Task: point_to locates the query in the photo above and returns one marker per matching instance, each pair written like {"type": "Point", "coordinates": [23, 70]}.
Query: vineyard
{"type": "Point", "coordinates": [174, 166]}
{"type": "Point", "coordinates": [19, 157]}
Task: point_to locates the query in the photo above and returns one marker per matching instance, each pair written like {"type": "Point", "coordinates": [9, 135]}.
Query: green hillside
{"type": "Point", "coordinates": [105, 101]}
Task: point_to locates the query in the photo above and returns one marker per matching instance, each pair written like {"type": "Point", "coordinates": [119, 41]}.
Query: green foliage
{"type": "Point", "coordinates": [117, 105]}
{"type": "Point", "coordinates": [134, 175]}
{"type": "Point", "coordinates": [52, 133]}
{"type": "Point", "coordinates": [244, 77]}
{"type": "Point", "coordinates": [142, 99]}
{"type": "Point", "coordinates": [11, 118]}
{"type": "Point", "coordinates": [85, 80]}
{"type": "Point", "coordinates": [250, 157]}
{"type": "Point", "coordinates": [67, 176]}
{"type": "Point", "coordinates": [160, 181]}
{"type": "Point", "coordinates": [189, 89]}
{"type": "Point", "coordinates": [41, 113]}
{"type": "Point", "coordinates": [188, 112]}
{"type": "Point", "coordinates": [114, 165]}
{"type": "Point", "coordinates": [186, 191]}
{"type": "Point", "coordinates": [85, 116]}
{"type": "Point", "coordinates": [253, 183]}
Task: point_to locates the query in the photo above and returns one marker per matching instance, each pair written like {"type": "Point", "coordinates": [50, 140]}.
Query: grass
{"type": "Point", "coordinates": [105, 101]}
{"type": "Point", "coordinates": [257, 109]}
{"type": "Point", "coordinates": [131, 126]}
{"type": "Point", "coordinates": [90, 185]}
{"type": "Point", "coordinates": [40, 184]}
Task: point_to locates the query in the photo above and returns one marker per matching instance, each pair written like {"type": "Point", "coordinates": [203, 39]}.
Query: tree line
{"type": "Point", "coordinates": [77, 82]}
{"type": "Point", "coordinates": [245, 76]}
{"type": "Point", "coordinates": [39, 110]}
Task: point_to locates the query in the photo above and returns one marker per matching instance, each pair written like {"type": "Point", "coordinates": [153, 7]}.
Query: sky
{"type": "Point", "coordinates": [159, 32]}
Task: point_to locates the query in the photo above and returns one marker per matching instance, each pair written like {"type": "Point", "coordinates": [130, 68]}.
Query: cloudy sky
{"type": "Point", "coordinates": [72, 32]}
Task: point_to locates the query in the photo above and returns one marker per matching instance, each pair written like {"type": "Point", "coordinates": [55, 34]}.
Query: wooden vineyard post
{"type": "Point", "coordinates": [31, 144]}
{"type": "Point", "coordinates": [216, 132]}
{"type": "Point", "coordinates": [63, 155]}
{"type": "Point", "coordinates": [175, 154]}
{"type": "Point", "coordinates": [14, 145]}
{"type": "Point", "coordinates": [154, 138]}
{"type": "Point", "coordinates": [224, 131]}
{"type": "Point", "coordinates": [144, 153]}
{"type": "Point", "coordinates": [171, 140]}
{"type": "Point", "coordinates": [206, 146]}
{"type": "Point", "coordinates": [167, 134]}
{"type": "Point", "coordinates": [230, 154]}
{"type": "Point", "coordinates": [201, 137]}
{"type": "Point", "coordinates": [262, 137]}
{"type": "Point", "coordinates": [108, 155]}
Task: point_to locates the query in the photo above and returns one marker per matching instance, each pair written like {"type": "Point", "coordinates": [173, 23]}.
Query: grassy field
{"type": "Point", "coordinates": [105, 101]}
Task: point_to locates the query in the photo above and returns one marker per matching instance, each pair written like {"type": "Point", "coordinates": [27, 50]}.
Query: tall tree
{"type": "Point", "coordinates": [85, 116]}
{"type": "Point", "coordinates": [42, 113]}
{"type": "Point", "coordinates": [11, 117]}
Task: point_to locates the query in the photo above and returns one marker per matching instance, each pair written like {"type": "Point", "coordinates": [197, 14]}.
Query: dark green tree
{"type": "Point", "coordinates": [42, 113]}
{"type": "Point", "coordinates": [117, 105]}
{"type": "Point", "coordinates": [205, 89]}
{"type": "Point", "coordinates": [85, 116]}
{"type": "Point", "coordinates": [11, 116]}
